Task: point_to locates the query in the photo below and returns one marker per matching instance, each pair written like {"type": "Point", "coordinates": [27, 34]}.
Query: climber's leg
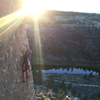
{"type": "Point", "coordinates": [24, 76]}
{"type": "Point", "coordinates": [27, 73]}
{"type": "Point", "coordinates": [24, 72]}
{"type": "Point", "coordinates": [27, 70]}
{"type": "Point", "coordinates": [29, 66]}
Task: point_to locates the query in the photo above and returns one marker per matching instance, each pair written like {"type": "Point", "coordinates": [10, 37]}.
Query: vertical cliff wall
{"type": "Point", "coordinates": [13, 42]}
{"type": "Point", "coordinates": [11, 75]}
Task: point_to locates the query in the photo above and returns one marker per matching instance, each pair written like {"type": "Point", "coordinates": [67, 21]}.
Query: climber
{"type": "Point", "coordinates": [26, 64]}
{"type": "Point", "coordinates": [28, 56]}
{"type": "Point", "coordinates": [25, 70]}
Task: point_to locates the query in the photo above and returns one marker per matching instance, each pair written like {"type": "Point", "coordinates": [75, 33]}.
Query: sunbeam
{"type": "Point", "coordinates": [9, 18]}
{"type": "Point", "coordinates": [18, 19]}
{"type": "Point", "coordinates": [37, 40]}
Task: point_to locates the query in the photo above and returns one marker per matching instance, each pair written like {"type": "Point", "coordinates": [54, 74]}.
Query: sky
{"type": "Point", "coordinates": [89, 6]}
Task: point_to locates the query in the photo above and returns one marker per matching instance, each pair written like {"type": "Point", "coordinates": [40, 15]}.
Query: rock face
{"type": "Point", "coordinates": [10, 6]}
{"type": "Point", "coordinates": [11, 74]}
{"type": "Point", "coordinates": [13, 42]}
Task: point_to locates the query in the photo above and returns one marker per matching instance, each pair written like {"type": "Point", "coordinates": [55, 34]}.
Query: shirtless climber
{"type": "Point", "coordinates": [26, 64]}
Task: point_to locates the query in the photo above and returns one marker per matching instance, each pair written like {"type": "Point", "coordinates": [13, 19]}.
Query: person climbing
{"type": "Point", "coordinates": [25, 70]}
{"type": "Point", "coordinates": [28, 56]}
{"type": "Point", "coordinates": [26, 64]}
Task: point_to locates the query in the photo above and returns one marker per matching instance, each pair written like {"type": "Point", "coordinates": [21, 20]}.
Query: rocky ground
{"type": "Point", "coordinates": [88, 85]}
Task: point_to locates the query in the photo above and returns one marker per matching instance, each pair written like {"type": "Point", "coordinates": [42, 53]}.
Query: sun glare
{"type": "Point", "coordinates": [33, 7]}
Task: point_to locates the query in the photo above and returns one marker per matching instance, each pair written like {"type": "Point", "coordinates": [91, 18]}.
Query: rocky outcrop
{"type": "Point", "coordinates": [10, 6]}
{"type": "Point", "coordinates": [11, 74]}
{"type": "Point", "coordinates": [13, 42]}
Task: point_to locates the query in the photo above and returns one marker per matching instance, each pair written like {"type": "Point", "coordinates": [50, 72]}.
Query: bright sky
{"type": "Point", "coordinates": [36, 6]}
{"type": "Point", "coordinates": [75, 5]}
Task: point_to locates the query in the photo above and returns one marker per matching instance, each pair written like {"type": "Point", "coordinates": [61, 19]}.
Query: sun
{"type": "Point", "coordinates": [34, 7]}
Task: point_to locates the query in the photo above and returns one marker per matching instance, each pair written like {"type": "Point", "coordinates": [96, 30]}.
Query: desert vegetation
{"type": "Point", "coordinates": [57, 86]}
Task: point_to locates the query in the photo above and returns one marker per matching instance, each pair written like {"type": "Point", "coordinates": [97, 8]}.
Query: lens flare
{"type": "Point", "coordinates": [33, 7]}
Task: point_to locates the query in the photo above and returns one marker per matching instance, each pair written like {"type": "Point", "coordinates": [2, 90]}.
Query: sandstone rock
{"type": "Point", "coordinates": [11, 60]}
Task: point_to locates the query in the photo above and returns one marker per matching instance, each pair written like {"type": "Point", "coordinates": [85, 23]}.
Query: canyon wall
{"type": "Point", "coordinates": [13, 46]}
{"type": "Point", "coordinates": [11, 58]}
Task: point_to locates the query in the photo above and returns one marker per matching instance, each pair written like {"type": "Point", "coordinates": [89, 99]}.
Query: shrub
{"type": "Point", "coordinates": [99, 94]}
{"type": "Point", "coordinates": [79, 94]}
{"type": "Point", "coordinates": [70, 86]}
{"type": "Point", "coordinates": [41, 95]}
{"type": "Point", "coordinates": [94, 96]}
{"type": "Point", "coordinates": [75, 99]}
{"type": "Point", "coordinates": [56, 87]}
{"type": "Point", "coordinates": [85, 76]}
{"type": "Point", "coordinates": [50, 90]}
{"type": "Point", "coordinates": [73, 91]}
{"type": "Point", "coordinates": [49, 94]}
{"type": "Point", "coordinates": [85, 97]}
{"type": "Point", "coordinates": [90, 75]}
{"type": "Point", "coordinates": [58, 84]}
{"type": "Point", "coordinates": [37, 91]}
{"type": "Point", "coordinates": [66, 92]}
{"type": "Point", "coordinates": [51, 82]}
{"type": "Point", "coordinates": [61, 95]}
{"type": "Point", "coordinates": [44, 92]}
{"type": "Point", "coordinates": [98, 98]}
{"type": "Point", "coordinates": [40, 80]}
{"type": "Point", "coordinates": [63, 85]}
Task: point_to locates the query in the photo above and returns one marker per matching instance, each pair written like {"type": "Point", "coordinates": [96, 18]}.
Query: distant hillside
{"type": "Point", "coordinates": [66, 45]}
{"type": "Point", "coordinates": [68, 13]}
{"type": "Point", "coordinates": [65, 37]}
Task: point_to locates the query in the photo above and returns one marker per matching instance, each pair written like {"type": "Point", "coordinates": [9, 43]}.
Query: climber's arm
{"type": "Point", "coordinates": [28, 47]}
